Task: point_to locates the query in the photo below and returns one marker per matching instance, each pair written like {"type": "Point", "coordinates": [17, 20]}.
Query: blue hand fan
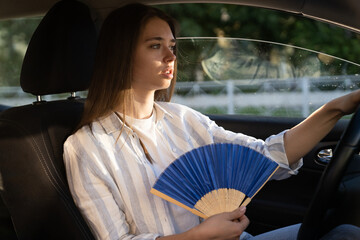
{"type": "Point", "coordinates": [214, 178]}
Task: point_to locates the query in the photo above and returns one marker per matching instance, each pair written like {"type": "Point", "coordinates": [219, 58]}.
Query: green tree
{"type": "Point", "coordinates": [215, 20]}
{"type": "Point", "coordinates": [14, 38]}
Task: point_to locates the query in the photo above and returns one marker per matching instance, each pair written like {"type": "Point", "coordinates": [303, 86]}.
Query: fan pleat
{"type": "Point", "coordinates": [177, 190]}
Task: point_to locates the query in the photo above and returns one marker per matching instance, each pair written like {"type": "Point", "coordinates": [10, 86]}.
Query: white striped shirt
{"type": "Point", "coordinates": [110, 179]}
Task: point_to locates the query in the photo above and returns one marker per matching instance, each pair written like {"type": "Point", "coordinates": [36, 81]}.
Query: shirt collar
{"type": "Point", "coordinates": [112, 123]}
{"type": "Point", "coordinates": [161, 112]}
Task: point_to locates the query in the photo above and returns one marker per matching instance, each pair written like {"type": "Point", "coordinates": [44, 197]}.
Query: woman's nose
{"type": "Point", "coordinates": [170, 56]}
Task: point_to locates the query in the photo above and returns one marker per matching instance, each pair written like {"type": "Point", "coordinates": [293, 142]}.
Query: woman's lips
{"type": "Point", "coordinates": [168, 73]}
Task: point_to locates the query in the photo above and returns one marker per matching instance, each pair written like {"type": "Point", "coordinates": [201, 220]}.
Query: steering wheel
{"type": "Point", "coordinates": [331, 178]}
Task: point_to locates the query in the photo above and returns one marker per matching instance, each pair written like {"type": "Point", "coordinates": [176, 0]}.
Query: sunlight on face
{"type": "Point", "coordinates": [154, 57]}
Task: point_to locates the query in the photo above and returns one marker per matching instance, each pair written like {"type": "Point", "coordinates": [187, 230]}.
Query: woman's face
{"type": "Point", "coordinates": [154, 57]}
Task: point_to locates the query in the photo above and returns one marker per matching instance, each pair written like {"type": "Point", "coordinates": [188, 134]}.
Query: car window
{"type": "Point", "coordinates": [245, 76]}
{"type": "Point", "coordinates": [231, 60]}
{"type": "Point", "coordinates": [244, 60]}
{"type": "Point", "coordinates": [15, 35]}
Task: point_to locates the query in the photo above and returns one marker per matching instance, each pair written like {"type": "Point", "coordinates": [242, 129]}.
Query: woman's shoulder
{"type": "Point", "coordinates": [179, 112]}
{"type": "Point", "coordinates": [85, 133]}
{"type": "Point", "coordinates": [171, 105]}
{"type": "Point", "coordinates": [77, 135]}
{"type": "Point", "coordinates": [176, 108]}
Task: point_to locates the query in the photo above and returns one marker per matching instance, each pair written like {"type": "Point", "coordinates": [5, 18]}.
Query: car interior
{"type": "Point", "coordinates": [59, 60]}
{"type": "Point", "coordinates": [36, 202]}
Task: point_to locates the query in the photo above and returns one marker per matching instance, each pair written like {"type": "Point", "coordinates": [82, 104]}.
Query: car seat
{"type": "Point", "coordinates": [33, 185]}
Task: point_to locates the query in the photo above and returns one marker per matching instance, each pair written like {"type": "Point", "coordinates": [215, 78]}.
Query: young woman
{"type": "Point", "coordinates": [130, 133]}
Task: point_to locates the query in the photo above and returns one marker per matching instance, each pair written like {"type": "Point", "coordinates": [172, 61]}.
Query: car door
{"type": "Point", "coordinates": [259, 88]}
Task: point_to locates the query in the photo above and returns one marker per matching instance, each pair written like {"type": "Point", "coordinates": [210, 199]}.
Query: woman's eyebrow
{"type": "Point", "coordinates": [158, 39]}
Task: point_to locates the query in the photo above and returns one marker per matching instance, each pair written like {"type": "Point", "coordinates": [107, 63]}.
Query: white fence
{"type": "Point", "coordinates": [304, 93]}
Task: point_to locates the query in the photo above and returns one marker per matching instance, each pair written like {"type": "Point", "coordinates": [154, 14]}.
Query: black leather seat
{"type": "Point", "coordinates": [33, 187]}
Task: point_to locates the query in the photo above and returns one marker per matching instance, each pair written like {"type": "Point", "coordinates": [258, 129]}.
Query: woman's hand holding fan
{"type": "Point", "coordinates": [223, 226]}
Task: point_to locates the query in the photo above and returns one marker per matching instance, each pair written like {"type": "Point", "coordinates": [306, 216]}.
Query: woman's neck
{"type": "Point", "coordinates": [143, 105]}
{"type": "Point", "coordinates": [143, 110]}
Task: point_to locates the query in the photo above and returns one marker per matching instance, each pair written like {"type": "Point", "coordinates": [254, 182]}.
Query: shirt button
{"type": "Point", "coordinates": [174, 149]}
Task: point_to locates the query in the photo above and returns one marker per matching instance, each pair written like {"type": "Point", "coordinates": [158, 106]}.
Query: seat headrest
{"type": "Point", "coordinates": [61, 52]}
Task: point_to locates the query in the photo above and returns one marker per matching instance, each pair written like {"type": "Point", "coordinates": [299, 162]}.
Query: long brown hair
{"type": "Point", "coordinates": [111, 81]}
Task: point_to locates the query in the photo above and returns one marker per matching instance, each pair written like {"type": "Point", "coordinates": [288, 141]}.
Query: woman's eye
{"type": "Point", "coordinates": [172, 48]}
{"type": "Point", "coordinates": [155, 46]}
